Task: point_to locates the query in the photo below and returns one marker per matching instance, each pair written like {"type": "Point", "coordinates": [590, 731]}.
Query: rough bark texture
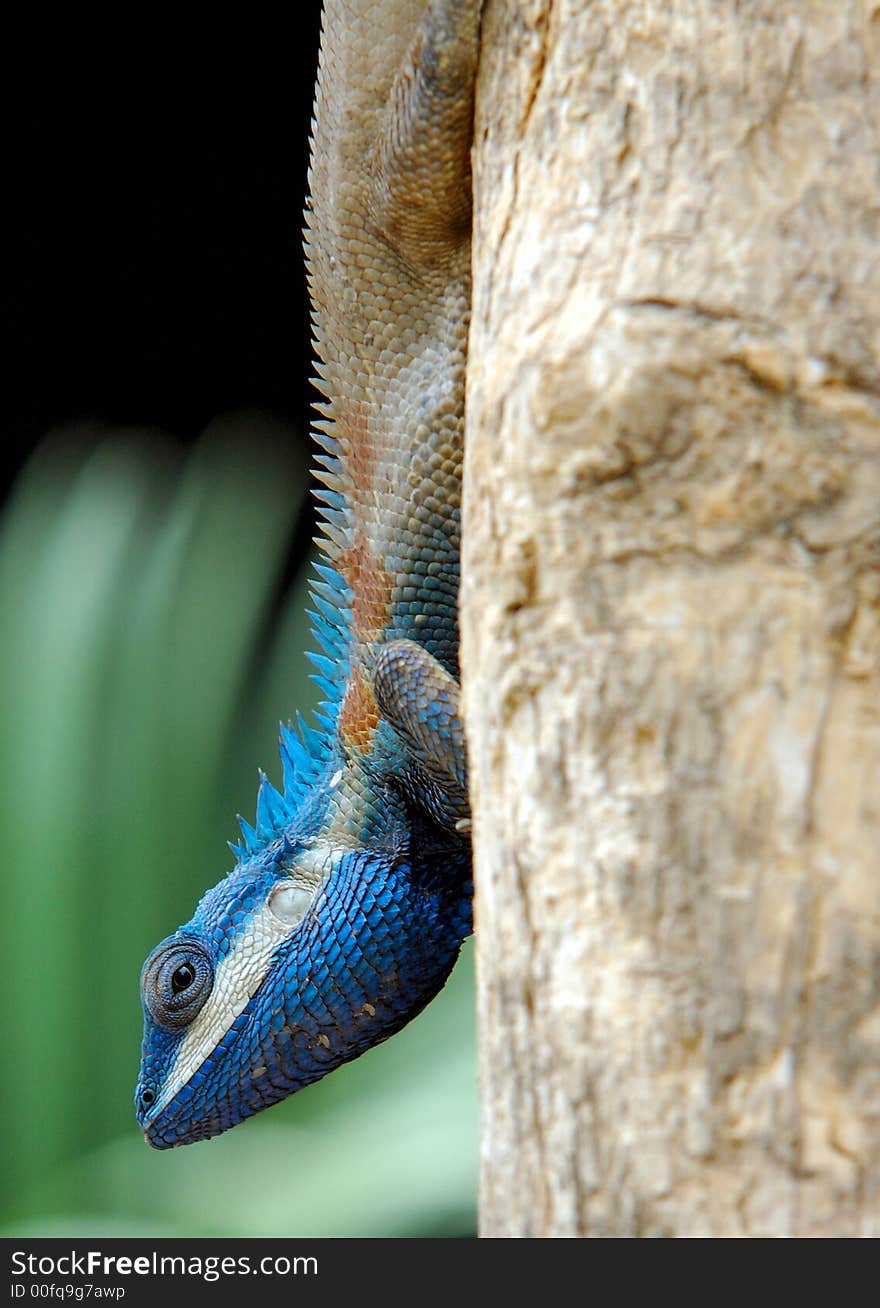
{"type": "Point", "coordinates": [671, 616]}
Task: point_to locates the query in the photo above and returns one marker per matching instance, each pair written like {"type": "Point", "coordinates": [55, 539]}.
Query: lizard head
{"type": "Point", "coordinates": [302, 958]}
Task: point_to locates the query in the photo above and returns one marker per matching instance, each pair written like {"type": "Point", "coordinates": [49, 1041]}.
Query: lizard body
{"type": "Point", "coordinates": [351, 894]}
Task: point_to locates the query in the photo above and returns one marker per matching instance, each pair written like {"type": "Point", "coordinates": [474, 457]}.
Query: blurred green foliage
{"type": "Point", "coordinates": [142, 684]}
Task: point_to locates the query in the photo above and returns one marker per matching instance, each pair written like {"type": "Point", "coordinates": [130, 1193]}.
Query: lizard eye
{"type": "Point", "coordinates": [182, 978]}
{"type": "Point", "coordinates": [177, 980]}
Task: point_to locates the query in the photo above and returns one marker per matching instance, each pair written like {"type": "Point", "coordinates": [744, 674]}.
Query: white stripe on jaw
{"type": "Point", "coordinates": [240, 973]}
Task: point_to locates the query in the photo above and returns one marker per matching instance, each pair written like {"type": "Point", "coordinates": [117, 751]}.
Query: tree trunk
{"type": "Point", "coordinates": [671, 616]}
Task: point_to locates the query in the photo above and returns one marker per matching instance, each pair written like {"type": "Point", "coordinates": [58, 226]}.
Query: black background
{"type": "Point", "coordinates": [155, 179]}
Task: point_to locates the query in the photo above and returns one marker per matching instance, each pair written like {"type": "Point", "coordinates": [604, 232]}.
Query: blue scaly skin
{"type": "Point", "coordinates": [351, 895]}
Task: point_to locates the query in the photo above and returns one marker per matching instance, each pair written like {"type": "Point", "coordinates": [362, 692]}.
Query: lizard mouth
{"type": "Point", "coordinates": [164, 1133]}
{"type": "Point", "coordinates": [156, 1139]}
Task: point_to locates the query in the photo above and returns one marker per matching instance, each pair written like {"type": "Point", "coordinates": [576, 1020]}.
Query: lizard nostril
{"type": "Point", "coordinates": [148, 1098]}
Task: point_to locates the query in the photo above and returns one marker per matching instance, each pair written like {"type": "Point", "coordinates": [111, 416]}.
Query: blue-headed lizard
{"type": "Point", "coordinates": [351, 895]}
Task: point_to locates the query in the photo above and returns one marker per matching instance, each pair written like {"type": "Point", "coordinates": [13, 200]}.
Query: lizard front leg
{"type": "Point", "coordinates": [420, 699]}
